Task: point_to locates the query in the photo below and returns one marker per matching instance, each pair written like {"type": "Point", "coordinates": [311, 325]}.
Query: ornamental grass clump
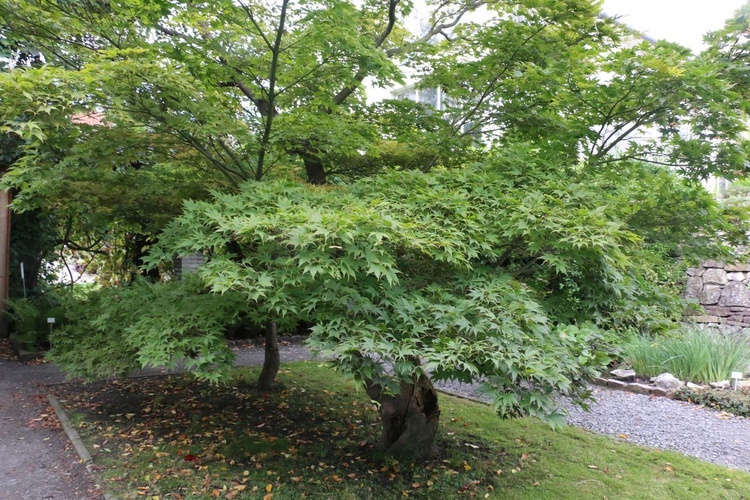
{"type": "Point", "coordinates": [695, 355]}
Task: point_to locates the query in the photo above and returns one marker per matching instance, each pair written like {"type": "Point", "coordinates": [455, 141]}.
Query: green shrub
{"type": "Point", "coordinates": [28, 318]}
{"type": "Point", "coordinates": [696, 355]}
{"type": "Point", "coordinates": [117, 330]}
{"type": "Point", "coordinates": [735, 402]}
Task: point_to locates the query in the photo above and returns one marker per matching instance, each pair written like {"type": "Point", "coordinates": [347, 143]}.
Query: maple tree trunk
{"type": "Point", "coordinates": [272, 359]}
{"type": "Point", "coordinates": [409, 418]}
{"type": "Point", "coordinates": [314, 169]}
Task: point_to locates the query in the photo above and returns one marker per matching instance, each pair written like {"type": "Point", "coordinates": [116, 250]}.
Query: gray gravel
{"type": "Point", "coordinates": [699, 432]}
{"type": "Point", "coordinates": [664, 423]}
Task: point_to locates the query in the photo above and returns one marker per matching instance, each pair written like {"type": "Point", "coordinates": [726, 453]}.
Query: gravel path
{"type": "Point", "coordinates": [656, 421]}
{"type": "Point", "coordinates": [664, 423]}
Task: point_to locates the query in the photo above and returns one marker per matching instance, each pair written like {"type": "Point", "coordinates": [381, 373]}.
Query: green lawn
{"type": "Point", "coordinates": [174, 438]}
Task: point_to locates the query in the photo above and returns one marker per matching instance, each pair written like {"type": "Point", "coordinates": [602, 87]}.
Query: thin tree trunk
{"type": "Point", "coordinates": [272, 359]}
{"type": "Point", "coordinates": [409, 419]}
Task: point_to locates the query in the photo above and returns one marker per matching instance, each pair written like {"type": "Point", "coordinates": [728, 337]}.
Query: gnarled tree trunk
{"type": "Point", "coordinates": [316, 173]}
{"type": "Point", "coordinates": [272, 359]}
{"type": "Point", "coordinates": [409, 418]}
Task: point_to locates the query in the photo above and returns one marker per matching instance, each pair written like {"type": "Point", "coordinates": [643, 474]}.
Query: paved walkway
{"type": "Point", "coordinates": [37, 461]}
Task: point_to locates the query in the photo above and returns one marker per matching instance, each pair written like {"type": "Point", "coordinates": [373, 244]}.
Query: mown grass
{"type": "Point", "coordinates": [694, 355]}
{"type": "Point", "coordinates": [173, 438]}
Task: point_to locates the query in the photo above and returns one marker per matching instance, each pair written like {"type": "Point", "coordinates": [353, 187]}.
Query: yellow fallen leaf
{"type": "Point", "coordinates": [269, 488]}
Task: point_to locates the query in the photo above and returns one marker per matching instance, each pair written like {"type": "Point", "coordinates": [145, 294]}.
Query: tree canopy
{"type": "Point", "coordinates": [251, 88]}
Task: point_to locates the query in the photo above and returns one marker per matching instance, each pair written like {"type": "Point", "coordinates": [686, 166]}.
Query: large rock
{"type": "Point", "coordinates": [695, 271]}
{"type": "Point", "coordinates": [724, 384]}
{"type": "Point", "coordinates": [621, 374]}
{"type": "Point", "coordinates": [616, 384]}
{"type": "Point", "coordinates": [656, 391]}
{"type": "Point", "coordinates": [710, 295]}
{"type": "Point", "coordinates": [735, 293]}
{"type": "Point", "coordinates": [736, 276]}
{"type": "Point", "coordinates": [694, 287]}
{"type": "Point", "coordinates": [713, 263]}
{"type": "Point", "coordinates": [715, 277]}
{"type": "Point", "coordinates": [738, 268]}
{"type": "Point", "coordinates": [639, 389]}
{"type": "Point", "coordinates": [668, 382]}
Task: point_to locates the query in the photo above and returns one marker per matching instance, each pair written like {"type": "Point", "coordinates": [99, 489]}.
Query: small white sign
{"type": "Point", "coordinates": [50, 320]}
{"type": "Point", "coordinates": [736, 374]}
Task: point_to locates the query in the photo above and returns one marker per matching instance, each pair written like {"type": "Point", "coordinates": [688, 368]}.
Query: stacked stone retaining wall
{"type": "Point", "coordinates": [723, 293]}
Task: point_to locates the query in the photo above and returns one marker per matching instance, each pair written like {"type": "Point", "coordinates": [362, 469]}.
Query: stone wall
{"type": "Point", "coordinates": [722, 291]}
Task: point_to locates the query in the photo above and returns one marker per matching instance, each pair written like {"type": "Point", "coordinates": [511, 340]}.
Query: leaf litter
{"type": "Point", "coordinates": [174, 437]}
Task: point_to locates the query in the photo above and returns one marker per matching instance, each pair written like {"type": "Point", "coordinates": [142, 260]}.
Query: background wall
{"type": "Point", "coordinates": [722, 290]}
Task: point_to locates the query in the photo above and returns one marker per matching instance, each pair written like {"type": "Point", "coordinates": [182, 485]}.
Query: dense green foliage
{"type": "Point", "coordinates": [694, 355]}
{"type": "Point", "coordinates": [140, 105]}
{"type": "Point", "coordinates": [120, 329]}
{"type": "Point", "coordinates": [28, 320]}
{"type": "Point", "coordinates": [463, 269]}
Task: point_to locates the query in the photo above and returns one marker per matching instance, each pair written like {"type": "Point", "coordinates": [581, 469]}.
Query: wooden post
{"type": "Point", "coordinates": [5, 199]}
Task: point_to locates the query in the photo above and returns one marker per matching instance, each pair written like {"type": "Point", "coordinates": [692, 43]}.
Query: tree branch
{"type": "Point", "coordinates": [272, 78]}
